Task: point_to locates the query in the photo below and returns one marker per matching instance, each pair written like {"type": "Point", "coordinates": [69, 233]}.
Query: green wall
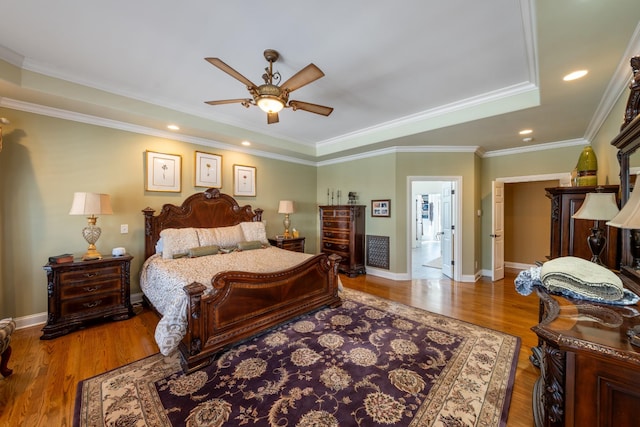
{"type": "Point", "coordinates": [372, 178]}
{"type": "Point", "coordinates": [386, 177]}
{"type": "Point", "coordinates": [45, 160]}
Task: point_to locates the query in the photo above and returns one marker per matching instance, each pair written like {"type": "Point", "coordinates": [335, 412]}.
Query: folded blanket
{"type": "Point", "coordinates": [583, 277]}
{"type": "Point", "coordinates": [576, 278]}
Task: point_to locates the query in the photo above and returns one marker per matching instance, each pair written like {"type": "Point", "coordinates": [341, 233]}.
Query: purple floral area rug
{"type": "Point", "coordinates": [371, 362]}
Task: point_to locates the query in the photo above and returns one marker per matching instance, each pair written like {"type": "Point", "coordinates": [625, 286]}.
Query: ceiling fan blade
{"type": "Point", "coordinates": [216, 62]}
{"type": "Point", "coordinates": [312, 108]}
{"type": "Point", "coordinates": [272, 118]}
{"type": "Point", "coordinates": [303, 77]}
{"type": "Point", "coordinates": [243, 101]}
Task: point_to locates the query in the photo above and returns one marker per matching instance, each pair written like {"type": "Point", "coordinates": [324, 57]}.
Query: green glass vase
{"type": "Point", "coordinates": [587, 168]}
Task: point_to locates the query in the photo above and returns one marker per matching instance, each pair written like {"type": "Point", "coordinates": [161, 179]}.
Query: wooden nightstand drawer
{"type": "Point", "coordinates": [81, 275]}
{"type": "Point", "coordinates": [91, 304]}
{"type": "Point", "coordinates": [295, 244]}
{"type": "Point", "coordinates": [83, 291]}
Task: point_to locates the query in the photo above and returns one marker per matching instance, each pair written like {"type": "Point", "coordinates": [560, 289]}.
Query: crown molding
{"type": "Point", "coordinates": [537, 147]}
{"type": "Point", "coordinates": [143, 130]}
{"type": "Point", "coordinates": [617, 86]}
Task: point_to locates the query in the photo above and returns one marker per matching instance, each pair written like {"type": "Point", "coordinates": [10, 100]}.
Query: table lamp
{"type": "Point", "coordinates": [597, 207]}
{"type": "Point", "coordinates": [286, 208]}
{"type": "Point", "coordinates": [91, 204]}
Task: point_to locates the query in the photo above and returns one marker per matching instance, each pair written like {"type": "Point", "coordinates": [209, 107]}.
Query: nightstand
{"type": "Point", "coordinates": [82, 292]}
{"type": "Point", "coordinates": [295, 244]}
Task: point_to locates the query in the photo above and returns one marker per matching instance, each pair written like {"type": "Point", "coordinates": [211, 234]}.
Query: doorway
{"type": "Point", "coordinates": [433, 243]}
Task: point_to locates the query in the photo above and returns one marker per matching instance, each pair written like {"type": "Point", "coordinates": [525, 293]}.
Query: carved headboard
{"type": "Point", "coordinates": [206, 209]}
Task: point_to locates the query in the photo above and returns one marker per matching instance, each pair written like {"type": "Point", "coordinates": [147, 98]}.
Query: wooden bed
{"type": "Point", "coordinates": [244, 304]}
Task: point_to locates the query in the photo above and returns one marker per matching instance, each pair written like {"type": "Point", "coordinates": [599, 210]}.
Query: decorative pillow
{"type": "Point", "coordinates": [178, 241]}
{"type": "Point", "coordinates": [581, 277]}
{"type": "Point", "coordinates": [254, 231]}
{"type": "Point", "coordinates": [220, 236]}
{"type": "Point", "coordinates": [203, 250]}
{"type": "Point", "coordinates": [159, 245]}
{"type": "Point", "coordinates": [247, 246]}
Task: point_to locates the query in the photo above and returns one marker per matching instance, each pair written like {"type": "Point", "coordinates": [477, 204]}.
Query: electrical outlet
{"type": "Point", "coordinates": [124, 228]}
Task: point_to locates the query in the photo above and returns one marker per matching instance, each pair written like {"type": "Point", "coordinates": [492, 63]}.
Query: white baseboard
{"type": "Point", "coordinates": [518, 266]}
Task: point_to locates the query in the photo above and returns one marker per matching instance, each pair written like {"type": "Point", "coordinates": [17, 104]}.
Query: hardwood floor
{"type": "Point", "coordinates": [41, 391]}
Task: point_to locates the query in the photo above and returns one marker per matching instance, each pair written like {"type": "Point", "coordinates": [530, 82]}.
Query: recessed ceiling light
{"type": "Point", "coordinates": [575, 75]}
{"type": "Point", "coordinates": [525, 131]}
{"type": "Point", "coordinates": [173, 127]}
{"type": "Point", "coordinates": [246, 143]}
{"type": "Point", "coordinates": [527, 139]}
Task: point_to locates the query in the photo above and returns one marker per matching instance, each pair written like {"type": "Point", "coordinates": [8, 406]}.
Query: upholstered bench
{"type": "Point", "coordinates": [7, 326]}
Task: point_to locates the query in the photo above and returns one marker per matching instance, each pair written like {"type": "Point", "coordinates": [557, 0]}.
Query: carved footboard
{"type": "Point", "coordinates": [247, 304]}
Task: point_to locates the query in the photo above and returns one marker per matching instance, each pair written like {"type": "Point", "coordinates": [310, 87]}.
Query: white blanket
{"type": "Point", "coordinates": [162, 281]}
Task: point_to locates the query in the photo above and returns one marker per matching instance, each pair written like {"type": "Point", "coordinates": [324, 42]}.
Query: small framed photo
{"type": "Point", "coordinates": [381, 208]}
{"type": "Point", "coordinates": [208, 170]}
{"type": "Point", "coordinates": [164, 172]}
{"type": "Point", "coordinates": [244, 180]}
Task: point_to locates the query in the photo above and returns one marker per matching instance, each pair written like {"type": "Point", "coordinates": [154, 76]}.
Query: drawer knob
{"type": "Point", "coordinates": [91, 288]}
{"type": "Point", "coordinates": [94, 274]}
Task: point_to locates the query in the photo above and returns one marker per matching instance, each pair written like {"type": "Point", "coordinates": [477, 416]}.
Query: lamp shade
{"type": "Point", "coordinates": [629, 216]}
{"type": "Point", "coordinates": [91, 204]}
{"type": "Point", "coordinates": [286, 207]}
{"type": "Point", "coordinates": [598, 206]}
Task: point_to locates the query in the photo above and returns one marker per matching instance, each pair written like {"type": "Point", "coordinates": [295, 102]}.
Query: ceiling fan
{"type": "Point", "coordinates": [270, 97]}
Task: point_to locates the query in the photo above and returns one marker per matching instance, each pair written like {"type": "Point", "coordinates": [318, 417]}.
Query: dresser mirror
{"type": "Point", "coordinates": [628, 142]}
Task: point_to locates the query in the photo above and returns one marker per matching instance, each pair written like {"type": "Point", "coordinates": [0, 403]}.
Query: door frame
{"type": "Point", "coordinates": [456, 221]}
{"type": "Point", "coordinates": [564, 180]}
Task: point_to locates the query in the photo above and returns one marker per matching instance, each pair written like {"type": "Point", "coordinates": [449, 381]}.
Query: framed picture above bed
{"type": "Point", "coordinates": [164, 172]}
{"type": "Point", "coordinates": [244, 180]}
{"type": "Point", "coordinates": [208, 170]}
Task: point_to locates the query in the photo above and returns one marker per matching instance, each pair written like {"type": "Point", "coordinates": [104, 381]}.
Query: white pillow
{"type": "Point", "coordinates": [221, 236]}
{"type": "Point", "coordinates": [178, 241]}
{"type": "Point", "coordinates": [254, 231]}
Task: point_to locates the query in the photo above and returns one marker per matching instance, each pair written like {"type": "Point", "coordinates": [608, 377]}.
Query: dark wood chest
{"type": "Point", "coordinates": [589, 370]}
{"type": "Point", "coordinates": [569, 235]}
{"type": "Point", "coordinates": [342, 232]}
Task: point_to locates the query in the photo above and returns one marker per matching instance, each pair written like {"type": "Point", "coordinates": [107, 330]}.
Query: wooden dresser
{"type": "Point", "coordinates": [342, 232]}
{"type": "Point", "coordinates": [589, 371]}
{"type": "Point", "coordinates": [295, 244]}
{"type": "Point", "coordinates": [569, 236]}
{"type": "Point", "coordinates": [80, 292]}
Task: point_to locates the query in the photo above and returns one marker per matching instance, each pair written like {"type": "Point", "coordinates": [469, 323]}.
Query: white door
{"type": "Point", "coordinates": [447, 229]}
{"type": "Point", "coordinates": [497, 231]}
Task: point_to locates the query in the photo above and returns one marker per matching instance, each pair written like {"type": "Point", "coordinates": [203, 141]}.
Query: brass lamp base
{"type": "Point", "coordinates": [91, 234]}
{"type": "Point", "coordinates": [287, 224]}
{"type": "Point", "coordinates": [92, 253]}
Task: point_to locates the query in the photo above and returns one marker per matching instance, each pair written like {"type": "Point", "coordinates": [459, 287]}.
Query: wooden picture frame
{"type": "Point", "coordinates": [244, 180]}
{"type": "Point", "coordinates": [208, 170]}
{"type": "Point", "coordinates": [164, 172]}
{"type": "Point", "coordinates": [381, 208]}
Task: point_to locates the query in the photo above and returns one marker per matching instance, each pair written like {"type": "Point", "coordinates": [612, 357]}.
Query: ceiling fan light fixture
{"type": "Point", "coordinates": [270, 104]}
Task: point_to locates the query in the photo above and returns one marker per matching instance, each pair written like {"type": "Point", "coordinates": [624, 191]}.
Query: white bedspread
{"type": "Point", "coordinates": [162, 281]}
